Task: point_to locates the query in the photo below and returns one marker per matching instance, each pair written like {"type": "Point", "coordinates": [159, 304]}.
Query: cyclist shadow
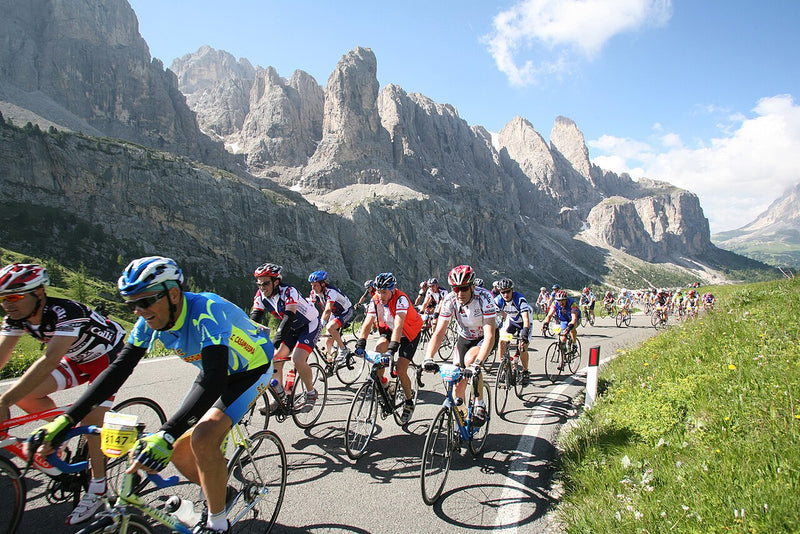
{"type": "Point", "coordinates": [319, 527]}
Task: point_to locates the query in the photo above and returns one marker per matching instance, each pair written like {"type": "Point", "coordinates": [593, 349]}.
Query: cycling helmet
{"type": "Point", "coordinates": [318, 276]}
{"type": "Point", "coordinates": [385, 281]}
{"type": "Point", "coordinates": [556, 287]}
{"type": "Point", "coordinates": [505, 284]}
{"type": "Point", "coordinates": [423, 284]}
{"type": "Point", "coordinates": [368, 283]}
{"type": "Point", "coordinates": [479, 282]}
{"type": "Point", "coordinates": [585, 290]}
{"type": "Point", "coordinates": [268, 269]}
{"type": "Point", "coordinates": [542, 288]}
{"type": "Point", "coordinates": [22, 278]}
{"type": "Point", "coordinates": [561, 295]}
{"type": "Point", "coordinates": [461, 275]}
{"type": "Point", "coordinates": [433, 282]}
{"type": "Point", "coordinates": [144, 273]}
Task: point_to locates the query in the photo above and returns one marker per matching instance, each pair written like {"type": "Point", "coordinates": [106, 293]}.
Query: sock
{"type": "Point", "coordinates": [97, 486]}
{"type": "Point", "coordinates": [217, 521]}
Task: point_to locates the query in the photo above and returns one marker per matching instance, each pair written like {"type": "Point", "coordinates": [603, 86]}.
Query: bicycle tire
{"type": "Point", "coordinates": [488, 362]}
{"type": "Point", "coordinates": [516, 373]}
{"type": "Point", "coordinates": [400, 395]}
{"type": "Point", "coordinates": [361, 420]}
{"type": "Point", "coordinates": [619, 320]}
{"type": "Point", "coordinates": [583, 318]}
{"type": "Point", "coordinates": [152, 416]}
{"type": "Point", "coordinates": [448, 346]}
{"type": "Point", "coordinates": [436, 456]}
{"type": "Point", "coordinates": [478, 435]}
{"type": "Point", "coordinates": [627, 319]}
{"type": "Point", "coordinates": [13, 494]}
{"type": "Point", "coordinates": [353, 328]}
{"type": "Point", "coordinates": [302, 417]}
{"type": "Point", "coordinates": [502, 385]}
{"type": "Point", "coordinates": [574, 360]}
{"type": "Point", "coordinates": [552, 361]}
{"type": "Point", "coordinates": [257, 471]}
{"type": "Point", "coordinates": [135, 525]}
{"type": "Point", "coordinates": [546, 330]}
{"type": "Point", "coordinates": [347, 375]}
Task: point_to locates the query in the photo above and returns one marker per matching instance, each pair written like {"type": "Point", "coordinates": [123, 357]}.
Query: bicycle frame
{"type": "Point", "coordinates": [14, 445]}
{"type": "Point", "coordinates": [463, 421]}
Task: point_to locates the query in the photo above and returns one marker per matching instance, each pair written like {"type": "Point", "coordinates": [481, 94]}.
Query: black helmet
{"type": "Point", "coordinates": [385, 281]}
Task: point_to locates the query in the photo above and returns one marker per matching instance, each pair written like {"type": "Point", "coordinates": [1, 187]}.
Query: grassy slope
{"type": "Point", "coordinates": [698, 430]}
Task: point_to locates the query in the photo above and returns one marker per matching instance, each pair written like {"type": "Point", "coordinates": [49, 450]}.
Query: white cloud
{"type": "Point", "coordinates": [736, 175]}
{"type": "Point", "coordinates": [547, 29]}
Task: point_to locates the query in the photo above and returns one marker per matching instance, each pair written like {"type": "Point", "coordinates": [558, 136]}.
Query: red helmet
{"type": "Point", "coordinates": [561, 295]}
{"type": "Point", "coordinates": [22, 278]}
{"type": "Point", "coordinates": [268, 269]}
{"type": "Point", "coordinates": [586, 290]}
{"type": "Point", "coordinates": [461, 275]}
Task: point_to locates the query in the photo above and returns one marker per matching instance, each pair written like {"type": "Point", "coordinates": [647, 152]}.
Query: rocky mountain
{"type": "Point", "coordinates": [773, 237]}
{"type": "Point", "coordinates": [351, 177]}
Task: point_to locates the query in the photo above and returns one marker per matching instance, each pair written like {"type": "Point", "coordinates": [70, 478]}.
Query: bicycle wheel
{"type": "Point", "coordinates": [436, 456]}
{"type": "Point", "coordinates": [488, 362]}
{"type": "Point", "coordinates": [351, 369]}
{"type": "Point", "coordinates": [502, 385]}
{"type": "Point", "coordinates": [304, 413]}
{"type": "Point", "coordinates": [516, 373]}
{"type": "Point", "coordinates": [546, 331]}
{"type": "Point", "coordinates": [627, 319]}
{"type": "Point", "coordinates": [12, 495]}
{"type": "Point", "coordinates": [400, 395]}
{"type": "Point", "coordinates": [619, 320]}
{"type": "Point", "coordinates": [152, 416]}
{"type": "Point", "coordinates": [574, 360]}
{"type": "Point", "coordinates": [552, 362]}
{"type": "Point", "coordinates": [583, 318]}
{"type": "Point", "coordinates": [478, 438]}
{"type": "Point", "coordinates": [590, 318]}
{"type": "Point", "coordinates": [257, 472]}
{"type": "Point", "coordinates": [448, 345]}
{"type": "Point", "coordinates": [105, 525]}
{"type": "Point", "coordinates": [352, 329]}
{"type": "Point", "coordinates": [361, 420]}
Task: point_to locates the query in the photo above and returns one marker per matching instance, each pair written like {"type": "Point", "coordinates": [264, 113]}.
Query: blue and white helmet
{"type": "Point", "coordinates": [385, 281]}
{"type": "Point", "coordinates": [318, 276]}
{"type": "Point", "coordinates": [142, 274]}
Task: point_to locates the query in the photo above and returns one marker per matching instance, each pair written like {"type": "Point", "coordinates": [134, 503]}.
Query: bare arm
{"type": "Point", "coordinates": [436, 338]}
{"type": "Point", "coordinates": [36, 373]}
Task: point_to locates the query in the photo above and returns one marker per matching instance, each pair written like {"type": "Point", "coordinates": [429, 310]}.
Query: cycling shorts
{"type": "Point", "coordinates": [303, 338]}
{"type": "Point", "coordinates": [564, 325]}
{"type": "Point", "coordinates": [69, 374]}
{"type": "Point", "coordinates": [513, 328]}
{"type": "Point", "coordinates": [407, 348]}
{"type": "Point", "coordinates": [240, 388]}
{"type": "Point", "coordinates": [462, 347]}
{"type": "Point", "coordinates": [344, 318]}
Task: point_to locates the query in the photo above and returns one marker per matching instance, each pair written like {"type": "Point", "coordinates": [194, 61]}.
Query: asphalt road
{"type": "Point", "coordinates": [507, 488]}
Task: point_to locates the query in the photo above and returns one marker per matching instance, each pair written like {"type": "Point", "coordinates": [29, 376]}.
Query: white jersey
{"type": "Point", "coordinates": [473, 315]}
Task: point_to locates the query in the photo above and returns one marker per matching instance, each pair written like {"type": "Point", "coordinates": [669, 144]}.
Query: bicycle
{"type": "Point", "coordinates": [659, 318]}
{"type": "Point", "coordinates": [587, 316]}
{"type": "Point", "coordinates": [62, 486]}
{"type": "Point", "coordinates": [390, 399]}
{"type": "Point", "coordinates": [561, 355]}
{"type": "Point", "coordinates": [293, 403]}
{"type": "Point", "coordinates": [509, 375]}
{"type": "Point", "coordinates": [624, 318]}
{"type": "Point", "coordinates": [353, 328]}
{"type": "Point", "coordinates": [609, 309]}
{"type": "Point", "coordinates": [445, 352]}
{"type": "Point", "coordinates": [257, 472]}
{"type": "Point", "coordinates": [348, 369]}
{"type": "Point", "coordinates": [449, 429]}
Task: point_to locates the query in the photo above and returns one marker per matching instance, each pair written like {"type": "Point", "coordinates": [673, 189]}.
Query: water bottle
{"type": "Point", "coordinates": [290, 376]}
{"type": "Point", "coordinates": [278, 389]}
{"type": "Point", "coordinates": [384, 382]}
{"type": "Point", "coordinates": [183, 510]}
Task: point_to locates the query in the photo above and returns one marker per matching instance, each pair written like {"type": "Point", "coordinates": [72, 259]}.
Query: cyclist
{"type": "Point", "coordinates": [206, 330]}
{"type": "Point", "coordinates": [708, 301]}
{"type": "Point", "coordinates": [474, 311]}
{"type": "Point", "coordinates": [337, 310]}
{"type": "Point", "coordinates": [692, 303]}
{"type": "Point", "coordinates": [423, 289]}
{"type": "Point", "coordinates": [677, 302]}
{"type": "Point", "coordinates": [542, 299]}
{"type": "Point", "coordinates": [299, 328]}
{"type": "Point", "coordinates": [565, 310]}
{"type": "Point", "coordinates": [517, 314]}
{"type": "Point", "coordinates": [433, 297]}
{"type": "Point", "coordinates": [80, 345]}
{"type": "Point", "coordinates": [369, 292]}
{"type": "Point", "coordinates": [608, 301]}
{"type": "Point", "coordinates": [588, 300]}
{"type": "Point", "coordinates": [399, 325]}
{"type": "Point", "coordinates": [662, 304]}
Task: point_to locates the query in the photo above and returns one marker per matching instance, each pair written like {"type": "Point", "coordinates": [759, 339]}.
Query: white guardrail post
{"type": "Point", "coordinates": [591, 377]}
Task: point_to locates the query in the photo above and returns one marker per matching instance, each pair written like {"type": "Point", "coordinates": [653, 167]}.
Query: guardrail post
{"type": "Point", "coordinates": [591, 377]}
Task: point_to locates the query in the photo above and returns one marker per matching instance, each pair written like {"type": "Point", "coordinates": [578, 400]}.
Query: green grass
{"type": "Point", "coordinates": [697, 430]}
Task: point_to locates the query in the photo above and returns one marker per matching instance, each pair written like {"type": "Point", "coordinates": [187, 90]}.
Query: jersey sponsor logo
{"type": "Point", "coordinates": [243, 344]}
{"type": "Point", "coordinates": [100, 332]}
{"type": "Point", "coordinates": [192, 358]}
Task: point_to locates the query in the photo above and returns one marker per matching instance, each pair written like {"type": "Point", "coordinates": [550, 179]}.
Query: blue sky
{"type": "Point", "coordinates": [699, 93]}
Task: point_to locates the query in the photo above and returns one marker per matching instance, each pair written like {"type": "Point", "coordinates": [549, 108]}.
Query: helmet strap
{"type": "Point", "coordinates": [173, 310]}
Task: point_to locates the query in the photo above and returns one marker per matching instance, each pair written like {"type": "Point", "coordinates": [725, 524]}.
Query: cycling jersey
{"type": "Point", "coordinates": [564, 313]}
{"type": "Point", "coordinates": [434, 296]}
{"type": "Point", "coordinates": [513, 308]}
{"type": "Point", "coordinates": [307, 315]}
{"type": "Point", "coordinates": [385, 314]}
{"type": "Point", "coordinates": [96, 335]}
{"type": "Point", "coordinates": [207, 319]}
{"type": "Point", "coordinates": [588, 299]}
{"type": "Point", "coordinates": [471, 316]}
{"type": "Point", "coordinates": [331, 293]}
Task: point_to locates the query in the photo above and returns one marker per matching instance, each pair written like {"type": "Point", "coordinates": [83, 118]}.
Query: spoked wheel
{"type": "Point", "coordinates": [353, 328]}
{"type": "Point", "coordinates": [350, 370]}
{"type": "Point", "coordinates": [583, 318]}
{"type": "Point", "coordinates": [590, 318]}
{"type": "Point", "coordinates": [436, 456]}
{"type": "Point", "coordinates": [448, 345]}
{"type": "Point", "coordinates": [627, 319]}
{"type": "Point", "coordinates": [135, 525]}
{"type": "Point", "coordinates": [502, 385]}
{"type": "Point", "coordinates": [478, 438]}
{"type": "Point", "coordinates": [257, 472]}
{"type": "Point", "coordinates": [516, 370]}
{"type": "Point", "coordinates": [488, 362]}
{"type": "Point", "coordinates": [552, 362]}
{"type": "Point", "coordinates": [304, 413]}
{"type": "Point", "coordinates": [150, 414]}
{"type": "Point", "coordinates": [400, 395]}
{"type": "Point", "coordinates": [12, 495]}
{"type": "Point", "coordinates": [574, 360]}
{"type": "Point", "coordinates": [361, 420]}
{"type": "Point", "coordinates": [619, 320]}
{"type": "Point", "coordinates": [546, 330]}
{"type": "Point", "coordinates": [657, 321]}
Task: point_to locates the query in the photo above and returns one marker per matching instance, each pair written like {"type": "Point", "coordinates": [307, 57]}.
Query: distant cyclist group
{"type": "Point", "coordinates": [235, 353]}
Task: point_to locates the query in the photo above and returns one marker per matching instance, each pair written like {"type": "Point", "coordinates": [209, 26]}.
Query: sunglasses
{"type": "Point", "coordinates": [265, 284]}
{"type": "Point", "coordinates": [144, 302]}
{"type": "Point", "coordinates": [461, 289]}
{"type": "Point", "coordinates": [505, 291]}
{"type": "Point", "coordinates": [13, 298]}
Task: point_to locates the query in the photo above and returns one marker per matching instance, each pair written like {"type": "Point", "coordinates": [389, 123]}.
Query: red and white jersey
{"type": "Point", "coordinates": [473, 315]}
